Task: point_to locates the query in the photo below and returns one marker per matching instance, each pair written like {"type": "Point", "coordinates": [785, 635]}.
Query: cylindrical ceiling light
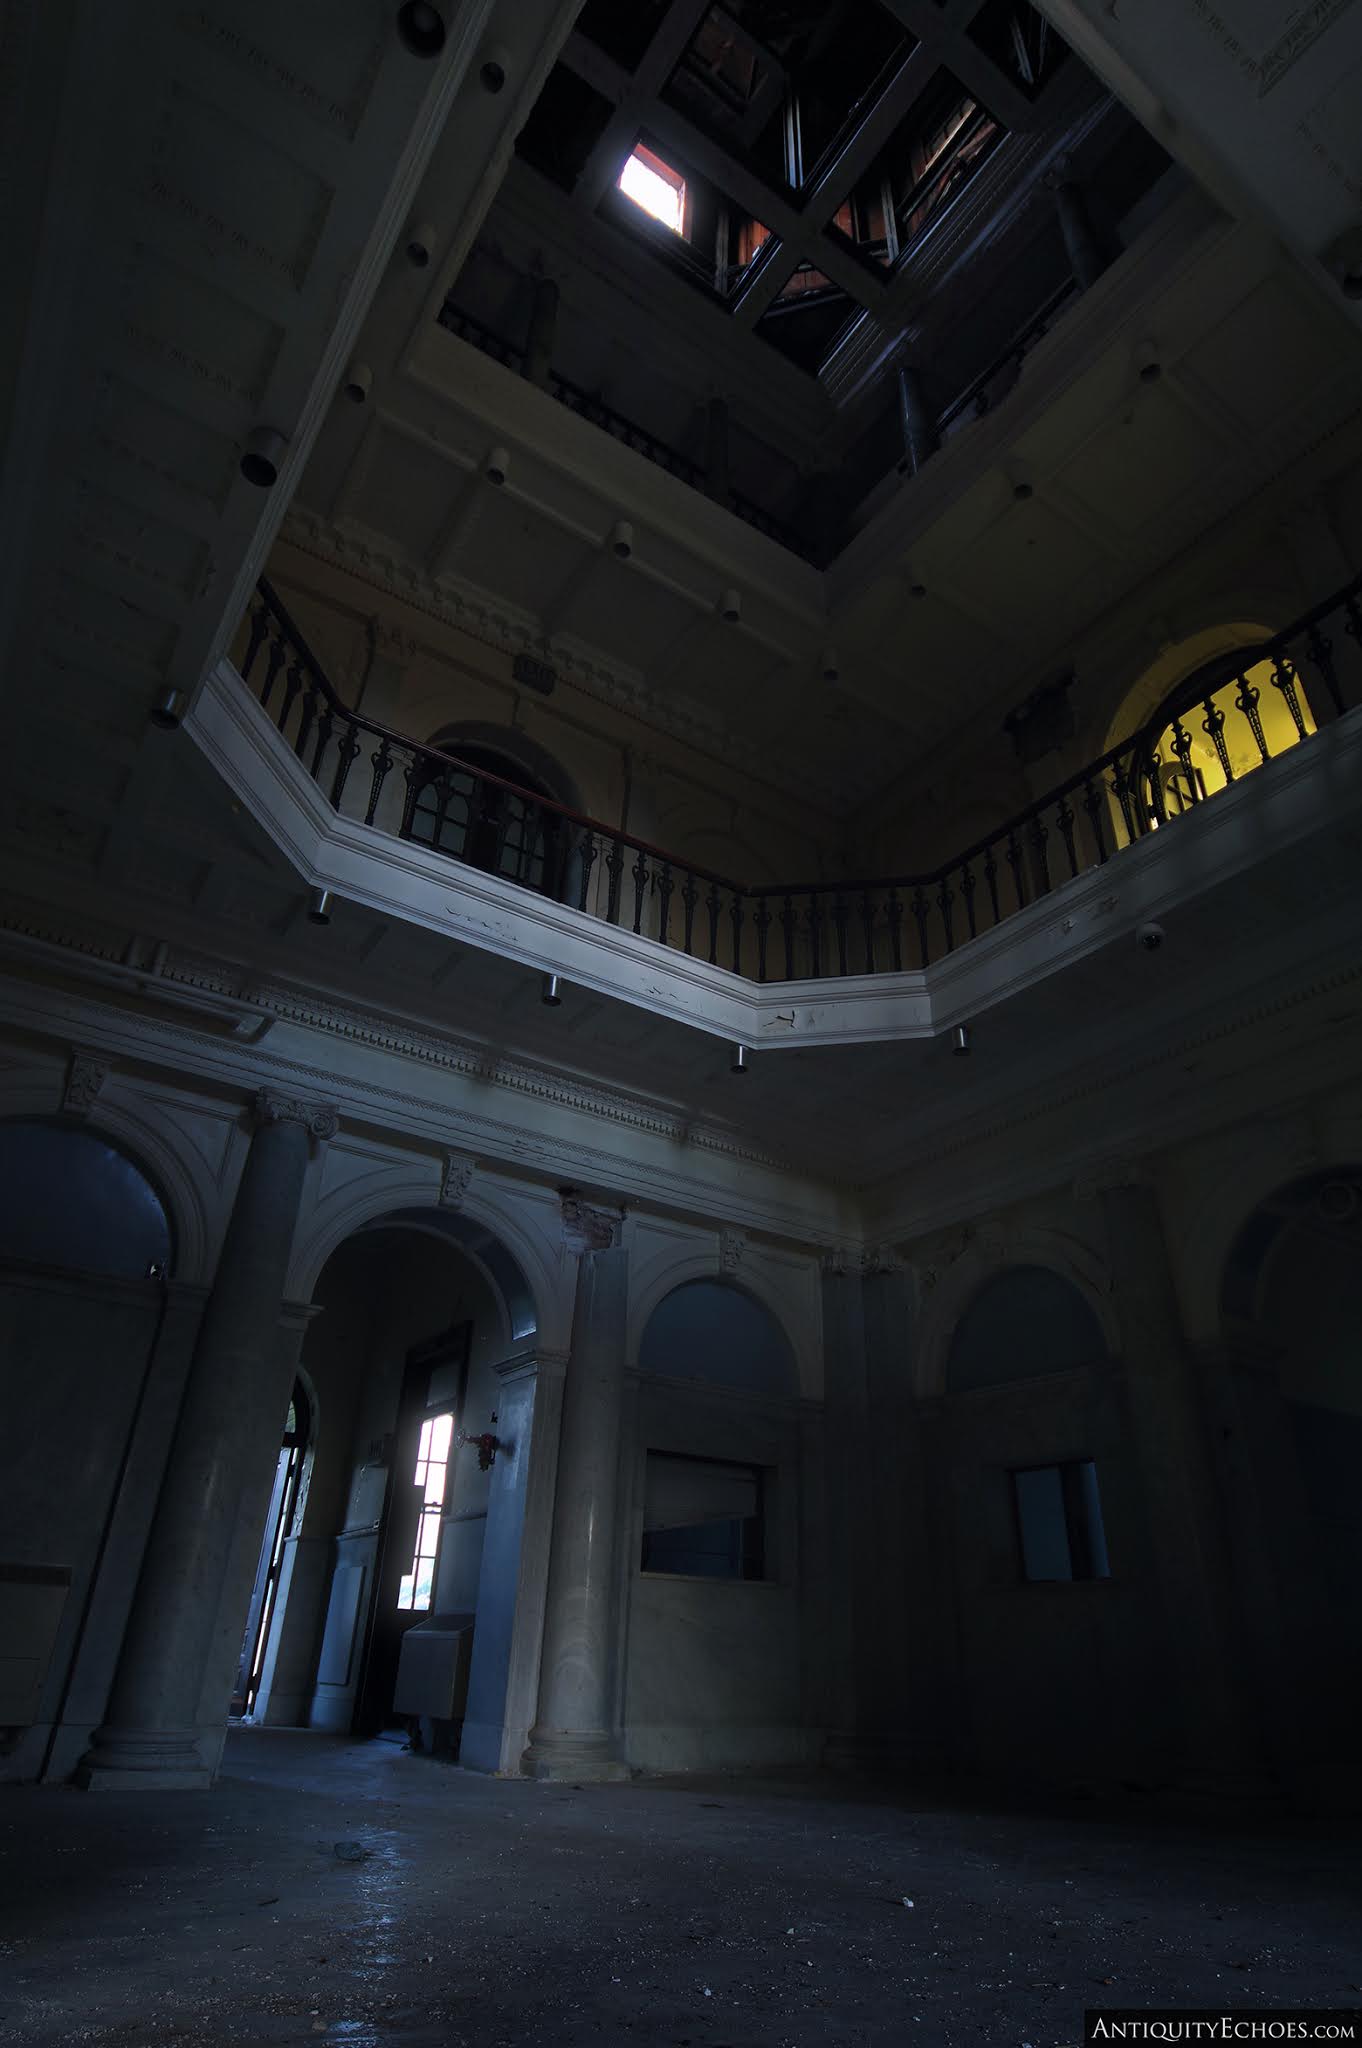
{"type": "Point", "coordinates": [421, 28]}
{"type": "Point", "coordinates": [497, 464]}
{"type": "Point", "coordinates": [168, 710]}
{"type": "Point", "coordinates": [551, 992]}
{"type": "Point", "coordinates": [961, 1045]}
{"type": "Point", "coordinates": [738, 1063]}
{"type": "Point", "coordinates": [262, 455]}
{"type": "Point", "coordinates": [319, 907]}
{"type": "Point", "coordinates": [730, 606]}
{"type": "Point", "coordinates": [622, 540]}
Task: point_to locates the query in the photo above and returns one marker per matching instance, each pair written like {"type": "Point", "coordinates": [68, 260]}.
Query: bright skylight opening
{"type": "Point", "coordinates": [654, 186]}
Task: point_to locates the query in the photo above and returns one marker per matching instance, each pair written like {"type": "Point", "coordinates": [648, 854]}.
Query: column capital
{"type": "Point", "coordinates": [319, 1120]}
{"type": "Point", "coordinates": [456, 1178]}
{"type": "Point", "coordinates": [732, 1249]}
{"type": "Point", "coordinates": [587, 1226]}
{"type": "Point", "coordinates": [837, 1261]}
{"type": "Point", "coordinates": [1108, 1175]}
{"type": "Point", "coordinates": [882, 1258]}
{"type": "Point", "coordinates": [85, 1076]}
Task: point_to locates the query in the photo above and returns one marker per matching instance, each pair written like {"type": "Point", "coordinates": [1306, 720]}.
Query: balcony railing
{"type": "Point", "coordinates": [1258, 708]}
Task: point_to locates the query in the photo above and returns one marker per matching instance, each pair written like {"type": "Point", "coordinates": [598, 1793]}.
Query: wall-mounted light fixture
{"type": "Point", "coordinates": [319, 906]}
{"type": "Point", "coordinates": [486, 1446]}
{"type": "Point", "coordinates": [168, 710]}
{"type": "Point", "coordinates": [262, 455]}
{"type": "Point", "coordinates": [421, 28]}
{"type": "Point", "coordinates": [420, 244]}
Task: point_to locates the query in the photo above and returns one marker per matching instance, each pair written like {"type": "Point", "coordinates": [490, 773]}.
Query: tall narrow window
{"type": "Point", "coordinates": [432, 1469]}
{"type": "Point", "coordinates": [1059, 1522]}
{"type": "Point", "coordinates": [656, 188]}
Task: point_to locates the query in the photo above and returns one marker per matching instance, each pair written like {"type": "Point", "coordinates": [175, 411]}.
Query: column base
{"type": "Point", "coordinates": [143, 1760]}
{"type": "Point", "coordinates": [556, 1757]}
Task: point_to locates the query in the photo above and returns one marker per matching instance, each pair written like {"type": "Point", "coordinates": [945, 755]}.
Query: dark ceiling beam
{"type": "Point", "coordinates": [632, 92]}
{"type": "Point", "coordinates": [948, 45]}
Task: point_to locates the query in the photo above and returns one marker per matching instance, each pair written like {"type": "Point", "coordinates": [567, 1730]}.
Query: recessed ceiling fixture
{"type": "Point", "coordinates": [421, 28]}
{"type": "Point", "coordinates": [655, 188]}
{"type": "Point", "coordinates": [261, 456]}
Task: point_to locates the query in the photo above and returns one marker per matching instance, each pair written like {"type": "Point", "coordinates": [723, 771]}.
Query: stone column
{"type": "Point", "coordinates": [851, 1563]}
{"type": "Point", "coordinates": [573, 1737]}
{"type": "Point", "coordinates": [217, 1478]}
{"type": "Point", "coordinates": [1177, 1481]}
{"type": "Point", "coordinates": [543, 333]}
{"type": "Point", "coordinates": [1081, 244]}
{"type": "Point", "coordinates": [920, 436]}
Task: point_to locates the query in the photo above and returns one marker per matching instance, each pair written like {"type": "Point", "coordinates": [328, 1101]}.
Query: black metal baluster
{"type": "Point", "coordinates": [382, 759]}
{"type": "Point", "coordinates": [324, 725]}
{"type": "Point", "coordinates": [991, 880]}
{"type": "Point", "coordinates": [1094, 804]}
{"type": "Point", "coordinates": [1158, 806]}
{"type": "Point", "coordinates": [896, 931]}
{"type": "Point", "coordinates": [1039, 835]}
{"type": "Point", "coordinates": [762, 921]}
{"type": "Point", "coordinates": [921, 906]}
{"type": "Point", "coordinates": [1247, 702]}
{"type": "Point", "coordinates": [416, 782]}
{"type": "Point", "coordinates": [712, 907]}
{"type": "Point", "coordinates": [1122, 790]}
{"type": "Point", "coordinates": [293, 683]}
{"type": "Point", "coordinates": [347, 754]}
{"type": "Point", "coordinates": [968, 885]}
{"type": "Point", "coordinates": [1014, 861]}
{"type": "Point", "coordinates": [278, 652]}
{"type": "Point", "coordinates": [639, 871]}
{"type": "Point", "coordinates": [311, 698]}
{"type": "Point", "coordinates": [839, 919]}
{"type": "Point", "coordinates": [260, 625]}
{"type": "Point", "coordinates": [735, 915]}
{"type": "Point", "coordinates": [1064, 817]}
{"type": "Point", "coordinates": [690, 896]}
{"type": "Point", "coordinates": [614, 862]}
{"type": "Point", "coordinates": [589, 851]}
{"type": "Point", "coordinates": [1182, 747]}
{"type": "Point", "coordinates": [665, 885]}
{"type": "Point", "coordinates": [787, 920]}
{"type": "Point", "coordinates": [1321, 651]}
{"type": "Point", "coordinates": [1284, 679]}
{"type": "Point", "coordinates": [815, 937]}
{"type": "Point", "coordinates": [945, 897]}
{"type": "Point", "coordinates": [1213, 725]}
{"type": "Point", "coordinates": [868, 927]}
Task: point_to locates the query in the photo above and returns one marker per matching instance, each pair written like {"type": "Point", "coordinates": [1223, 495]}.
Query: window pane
{"type": "Point", "coordinates": [1092, 1509]}
{"type": "Point", "coordinates": [658, 196]}
{"type": "Point", "coordinates": [1044, 1531]}
{"type": "Point", "coordinates": [441, 1431]}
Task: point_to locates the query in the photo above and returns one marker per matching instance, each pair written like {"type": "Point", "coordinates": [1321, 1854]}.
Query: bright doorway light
{"type": "Point", "coordinates": [656, 188]}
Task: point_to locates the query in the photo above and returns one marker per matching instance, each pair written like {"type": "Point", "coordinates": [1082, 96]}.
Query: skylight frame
{"type": "Point", "coordinates": [657, 168]}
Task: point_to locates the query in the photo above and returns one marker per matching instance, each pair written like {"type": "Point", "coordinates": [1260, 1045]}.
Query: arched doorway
{"type": "Point", "coordinates": [393, 1611]}
{"type": "Point", "coordinates": [1292, 1307]}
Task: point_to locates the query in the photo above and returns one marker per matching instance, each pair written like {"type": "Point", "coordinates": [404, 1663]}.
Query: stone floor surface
{"type": "Point", "coordinates": [329, 1892]}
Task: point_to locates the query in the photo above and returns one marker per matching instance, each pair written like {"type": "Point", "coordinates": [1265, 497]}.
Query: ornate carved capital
{"type": "Point", "coordinates": [85, 1077]}
{"type": "Point", "coordinates": [459, 1169]}
{"type": "Point", "coordinates": [881, 1258]}
{"type": "Point", "coordinates": [1107, 1176]}
{"type": "Point", "coordinates": [319, 1120]}
{"type": "Point", "coordinates": [588, 1228]}
{"type": "Point", "coordinates": [837, 1260]}
{"type": "Point", "coordinates": [732, 1246]}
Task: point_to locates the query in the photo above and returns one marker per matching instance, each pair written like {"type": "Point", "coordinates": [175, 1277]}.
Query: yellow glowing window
{"type": "Point", "coordinates": [656, 188]}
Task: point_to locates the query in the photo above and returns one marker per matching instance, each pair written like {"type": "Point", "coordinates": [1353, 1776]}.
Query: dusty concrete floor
{"type": "Point", "coordinates": [733, 1914]}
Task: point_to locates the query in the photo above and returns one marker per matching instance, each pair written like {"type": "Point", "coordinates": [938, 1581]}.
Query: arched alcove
{"type": "Point", "coordinates": [1023, 1322]}
{"type": "Point", "coordinates": [713, 1330]}
{"type": "Point", "coordinates": [71, 1197]}
{"type": "Point", "coordinates": [480, 807]}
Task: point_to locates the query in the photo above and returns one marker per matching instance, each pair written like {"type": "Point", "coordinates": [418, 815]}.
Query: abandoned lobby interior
{"type": "Point", "coordinates": [680, 971]}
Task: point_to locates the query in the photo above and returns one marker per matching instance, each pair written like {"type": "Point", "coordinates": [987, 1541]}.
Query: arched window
{"type": "Point", "coordinates": [501, 830]}
{"type": "Point", "coordinates": [711, 1330]}
{"type": "Point", "coordinates": [1226, 704]}
{"type": "Point", "coordinates": [1023, 1322]}
{"type": "Point", "coordinates": [70, 1198]}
